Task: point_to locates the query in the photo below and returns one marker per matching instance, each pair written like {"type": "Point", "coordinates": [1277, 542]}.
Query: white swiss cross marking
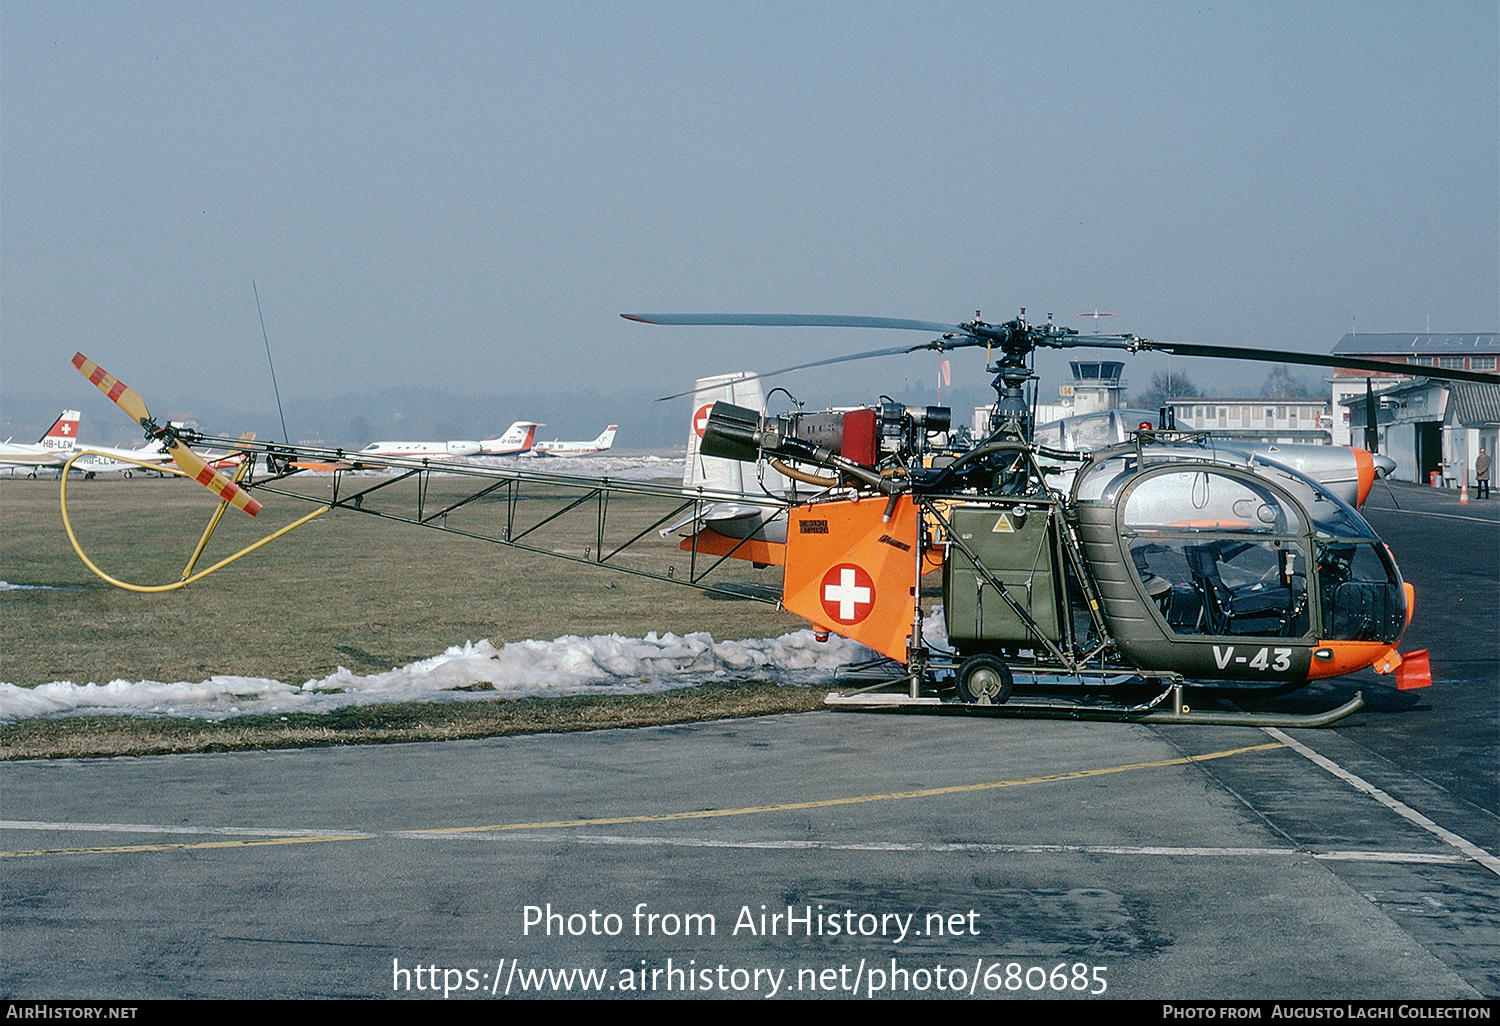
{"type": "Point", "coordinates": [67, 428]}
{"type": "Point", "coordinates": [700, 418]}
{"type": "Point", "coordinates": [848, 593]}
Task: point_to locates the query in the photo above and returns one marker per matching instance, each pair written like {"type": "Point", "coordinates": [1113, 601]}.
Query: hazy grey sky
{"type": "Point", "coordinates": [467, 195]}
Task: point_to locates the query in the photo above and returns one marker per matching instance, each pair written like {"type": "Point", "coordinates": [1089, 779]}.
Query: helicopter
{"type": "Point", "coordinates": [1168, 559]}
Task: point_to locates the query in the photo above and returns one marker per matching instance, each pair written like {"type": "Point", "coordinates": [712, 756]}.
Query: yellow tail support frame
{"type": "Point", "coordinates": [188, 576]}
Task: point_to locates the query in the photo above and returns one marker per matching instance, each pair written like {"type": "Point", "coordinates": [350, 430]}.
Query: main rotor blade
{"type": "Point", "coordinates": [119, 393]}
{"type": "Point", "coordinates": [797, 321]}
{"type": "Point", "coordinates": [1310, 360]}
{"type": "Point", "coordinates": [955, 336]}
{"type": "Point", "coordinates": [963, 336]}
{"type": "Point", "coordinates": [803, 366]}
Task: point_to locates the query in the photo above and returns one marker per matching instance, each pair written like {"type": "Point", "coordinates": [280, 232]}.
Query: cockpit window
{"type": "Point", "coordinates": [1331, 518]}
{"type": "Point", "coordinates": [1361, 593]}
{"type": "Point", "coordinates": [1050, 435]}
{"type": "Point", "coordinates": [1225, 586]}
{"type": "Point", "coordinates": [1203, 499]}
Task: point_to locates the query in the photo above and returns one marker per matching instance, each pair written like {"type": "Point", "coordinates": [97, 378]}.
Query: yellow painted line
{"type": "Point", "coordinates": [930, 792]}
{"type": "Point", "coordinates": [185, 846]}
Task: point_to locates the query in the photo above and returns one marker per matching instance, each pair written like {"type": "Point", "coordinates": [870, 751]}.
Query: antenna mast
{"type": "Point", "coordinates": [285, 437]}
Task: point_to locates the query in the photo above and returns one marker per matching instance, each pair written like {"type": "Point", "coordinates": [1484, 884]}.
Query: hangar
{"type": "Point", "coordinates": [1427, 426]}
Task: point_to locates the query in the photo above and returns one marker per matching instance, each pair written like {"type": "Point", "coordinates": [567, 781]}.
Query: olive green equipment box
{"type": "Point", "coordinates": [1001, 584]}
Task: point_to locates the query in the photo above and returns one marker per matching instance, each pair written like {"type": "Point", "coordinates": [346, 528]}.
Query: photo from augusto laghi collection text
{"type": "Point", "coordinates": [517, 974]}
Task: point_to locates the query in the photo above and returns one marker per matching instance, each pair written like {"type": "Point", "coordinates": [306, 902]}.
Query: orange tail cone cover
{"type": "Point", "coordinates": [853, 572]}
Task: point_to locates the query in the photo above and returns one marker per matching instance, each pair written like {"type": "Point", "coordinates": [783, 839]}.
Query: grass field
{"type": "Point", "coordinates": [347, 589]}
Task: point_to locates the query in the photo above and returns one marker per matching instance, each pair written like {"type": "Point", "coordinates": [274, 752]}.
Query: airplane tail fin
{"type": "Point", "coordinates": [63, 434]}
{"type": "Point", "coordinates": [606, 437]}
{"type": "Point", "coordinates": [711, 471]}
{"type": "Point", "coordinates": [519, 437]}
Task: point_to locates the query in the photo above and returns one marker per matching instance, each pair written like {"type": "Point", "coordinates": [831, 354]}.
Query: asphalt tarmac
{"type": "Point", "coordinates": [829, 854]}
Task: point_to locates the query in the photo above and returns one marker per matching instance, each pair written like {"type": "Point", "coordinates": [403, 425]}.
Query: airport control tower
{"type": "Point", "coordinates": [1096, 386]}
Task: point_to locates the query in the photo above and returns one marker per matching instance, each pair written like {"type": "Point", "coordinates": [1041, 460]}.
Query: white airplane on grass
{"type": "Point", "coordinates": [518, 438]}
{"type": "Point", "coordinates": [50, 451]}
{"type": "Point", "coordinates": [554, 448]}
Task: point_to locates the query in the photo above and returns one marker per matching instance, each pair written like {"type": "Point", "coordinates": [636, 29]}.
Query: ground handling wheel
{"type": "Point", "coordinates": [984, 680]}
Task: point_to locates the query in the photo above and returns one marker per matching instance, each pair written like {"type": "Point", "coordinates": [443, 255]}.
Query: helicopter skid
{"type": "Point", "coordinates": [1168, 707]}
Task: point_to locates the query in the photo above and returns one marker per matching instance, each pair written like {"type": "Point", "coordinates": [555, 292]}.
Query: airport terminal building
{"type": "Point", "coordinates": [1282, 421]}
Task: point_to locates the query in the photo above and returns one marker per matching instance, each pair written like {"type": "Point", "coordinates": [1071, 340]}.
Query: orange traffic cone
{"type": "Point", "coordinates": [1463, 492]}
{"type": "Point", "coordinates": [1414, 672]}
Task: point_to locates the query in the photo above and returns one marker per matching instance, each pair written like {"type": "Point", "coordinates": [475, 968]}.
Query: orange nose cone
{"type": "Point", "coordinates": [1366, 465]}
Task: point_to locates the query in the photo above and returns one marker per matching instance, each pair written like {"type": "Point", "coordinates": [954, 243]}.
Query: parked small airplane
{"type": "Point", "coordinates": [518, 438]}
{"type": "Point", "coordinates": [50, 451]}
{"type": "Point", "coordinates": [107, 459]}
{"type": "Point", "coordinates": [554, 448]}
{"type": "Point", "coordinates": [62, 441]}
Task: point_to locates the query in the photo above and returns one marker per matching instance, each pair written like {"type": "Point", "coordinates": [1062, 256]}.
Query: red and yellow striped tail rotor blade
{"type": "Point", "coordinates": [189, 462]}
{"type": "Point", "coordinates": [194, 466]}
{"type": "Point", "coordinates": [119, 393]}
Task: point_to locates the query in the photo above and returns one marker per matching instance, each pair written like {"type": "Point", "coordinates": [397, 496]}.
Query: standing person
{"type": "Point", "coordinates": [1482, 473]}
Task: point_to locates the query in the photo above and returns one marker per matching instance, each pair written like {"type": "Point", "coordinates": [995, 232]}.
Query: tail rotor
{"type": "Point", "coordinates": [188, 462]}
